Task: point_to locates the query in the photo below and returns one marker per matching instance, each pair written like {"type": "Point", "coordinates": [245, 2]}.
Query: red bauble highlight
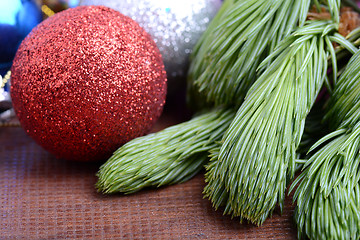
{"type": "Point", "coordinates": [87, 80]}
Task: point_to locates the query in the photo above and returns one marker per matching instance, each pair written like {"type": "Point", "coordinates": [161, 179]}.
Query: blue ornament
{"type": "Point", "coordinates": [17, 18]}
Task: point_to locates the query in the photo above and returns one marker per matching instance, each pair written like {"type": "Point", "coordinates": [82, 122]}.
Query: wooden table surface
{"type": "Point", "coordinates": [42, 197]}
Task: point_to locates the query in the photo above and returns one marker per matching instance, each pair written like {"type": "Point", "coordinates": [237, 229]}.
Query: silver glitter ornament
{"type": "Point", "coordinates": [174, 25]}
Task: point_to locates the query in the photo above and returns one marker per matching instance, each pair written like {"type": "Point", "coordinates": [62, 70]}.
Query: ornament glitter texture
{"type": "Point", "coordinates": [174, 25]}
{"type": "Point", "coordinates": [87, 80]}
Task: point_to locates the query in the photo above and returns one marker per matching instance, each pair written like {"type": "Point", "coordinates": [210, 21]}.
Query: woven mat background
{"type": "Point", "coordinates": [45, 198]}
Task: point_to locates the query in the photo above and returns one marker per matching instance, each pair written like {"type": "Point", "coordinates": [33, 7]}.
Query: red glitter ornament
{"type": "Point", "coordinates": [87, 80]}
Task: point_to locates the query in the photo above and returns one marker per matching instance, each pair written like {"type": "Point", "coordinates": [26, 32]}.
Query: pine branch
{"type": "Point", "coordinates": [248, 174]}
{"type": "Point", "coordinates": [344, 107]}
{"type": "Point", "coordinates": [328, 192]}
{"type": "Point", "coordinates": [226, 58]}
{"type": "Point", "coordinates": [328, 197]}
{"type": "Point", "coordinates": [170, 156]}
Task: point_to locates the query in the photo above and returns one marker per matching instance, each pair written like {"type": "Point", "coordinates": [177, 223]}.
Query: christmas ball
{"type": "Point", "coordinates": [175, 26]}
{"type": "Point", "coordinates": [87, 80]}
{"type": "Point", "coordinates": [17, 18]}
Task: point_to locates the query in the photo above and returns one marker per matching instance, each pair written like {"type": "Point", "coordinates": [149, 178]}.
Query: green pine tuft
{"type": "Point", "coordinates": [226, 58]}
{"type": "Point", "coordinates": [170, 156]}
{"type": "Point", "coordinates": [258, 152]}
{"type": "Point", "coordinates": [328, 192]}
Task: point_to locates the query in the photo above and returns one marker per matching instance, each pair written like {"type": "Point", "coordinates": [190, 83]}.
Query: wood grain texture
{"type": "Point", "coordinates": [45, 198]}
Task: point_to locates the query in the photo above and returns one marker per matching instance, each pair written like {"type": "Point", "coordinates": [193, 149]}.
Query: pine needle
{"type": "Point", "coordinates": [226, 58]}
{"type": "Point", "coordinates": [328, 192]}
{"type": "Point", "coordinates": [258, 152]}
{"type": "Point", "coordinates": [170, 156]}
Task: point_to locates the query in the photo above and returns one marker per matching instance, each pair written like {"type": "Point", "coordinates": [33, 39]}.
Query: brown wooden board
{"type": "Point", "coordinates": [42, 197]}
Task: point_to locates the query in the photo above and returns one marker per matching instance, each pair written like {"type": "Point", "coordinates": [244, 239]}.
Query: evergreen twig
{"type": "Point", "coordinates": [226, 58]}
{"type": "Point", "coordinates": [328, 192]}
{"type": "Point", "coordinates": [170, 156]}
{"type": "Point", "coordinates": [248, 174]}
